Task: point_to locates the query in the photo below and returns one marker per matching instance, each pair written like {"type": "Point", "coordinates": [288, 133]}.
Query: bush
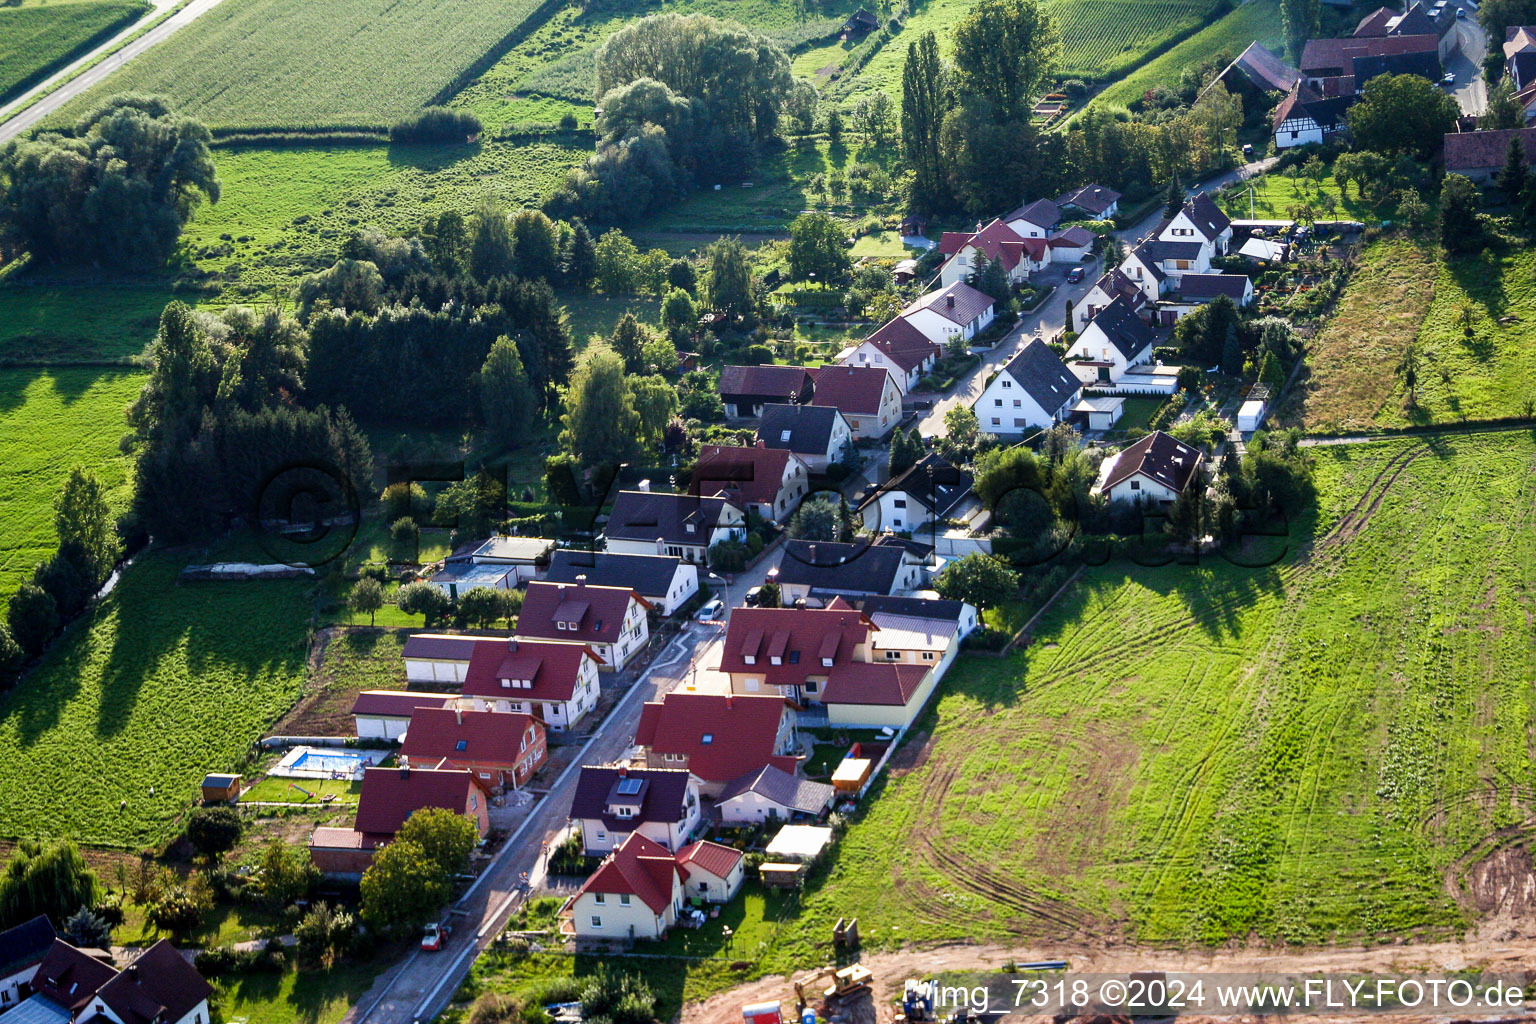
{"type": "Point", "coordinates": [436, 124]}
{"type": "Point", "coordinates": [728, 556]}
{"type": "Point", "coordinates": [985, 638]}
{"type": "Point", "coordinates": [213, 830]}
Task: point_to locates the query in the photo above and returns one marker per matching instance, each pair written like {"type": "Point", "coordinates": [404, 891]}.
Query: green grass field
{"type": "Point", "coordinates": [1108, 37]}
{"type": "Point", "coordinates": [1325, 750]}
{"type": "Point", "coordinates": [57, 323]}
{"type": "Point", "coordinates": [1258, 20]}
{"type": "Point", "coordinates": [91, 731]}
{"type": "Point", "coordinates": [295, 64]}
{"type": "Point", "coordinates": [36, 41]}
{"type": "Point", "coordinates": [50, 422]}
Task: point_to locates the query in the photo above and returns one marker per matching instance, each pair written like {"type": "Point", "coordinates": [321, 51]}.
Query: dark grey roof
{"type": "Point", "coordinates": [1042, 375]}
{"type": "Point", "coordinates": [158, 986]}
{"type": "Point", "coordinates": [767, 381]}
{"type": "Point", "coordinates": [438, 647]}
{"type": "Point", "coordinates": [1208, 286]}
{"type": "Point", "coordinates": [25, 944]}
{"type": "Point", "coordinates": [809, 427]}
{"type": "Point", "coordinates": [1202, 209]}
{"type": "Point", "coordinates": [647, 515]}
{"type": "Point", "coordinates": [663, 795]}
{"type": "Point", "coordinates": [1124, 329]}
{"type": "Point", "coordinates": [1425, 65]}
{"type": "Point", "coordinates": [933, 482]}
{"type": "Point", "coordinates": [1159, 250]}
{"type": "Point", "coordinates": [1160, 456]}
{"type": "Point", "coordinates": [914, 607]}
{"type": "Point", "coordinates": [859, 568]}
{"type": "Point", "coordinates": [782, 788]}
{"type": "Point", "coordinates": [647, 575]}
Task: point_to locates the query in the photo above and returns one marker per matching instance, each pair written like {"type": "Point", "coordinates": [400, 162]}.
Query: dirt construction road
{"type": "Point", "coordinates": [1513, 957]}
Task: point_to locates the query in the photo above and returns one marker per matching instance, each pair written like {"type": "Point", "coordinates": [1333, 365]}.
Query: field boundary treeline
{"type": "Point", "coordinates": [1487, 425]}
{"type": "Point", "coordinates": [63, 60]}
{"type": "Point", "coordinates": [346, 135]}
{"type": "Point", "coordinates": [487, 60]}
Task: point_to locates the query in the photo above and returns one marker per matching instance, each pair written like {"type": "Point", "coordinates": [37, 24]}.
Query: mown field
{"type": "Point", "coordinates": [1258, 20]}
{"type": "Point", "coordinates": [1325, 750]}
{"type": "Point", "coordinates": [87, 730]}
{"type": "Point", "coordinates": [36, 41]}
{"type": "Point", "coordinates": [291, 63]}
{"type": "Point", "coordinates": [51, 421]}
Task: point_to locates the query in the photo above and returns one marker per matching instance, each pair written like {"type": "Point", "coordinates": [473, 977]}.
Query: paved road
{"type": "Point", "coordinates": [77, 81]}
{"type": "Point", "coordinates": [1470, 91]}
{"type": "Point", "coordinates": [423, 985]}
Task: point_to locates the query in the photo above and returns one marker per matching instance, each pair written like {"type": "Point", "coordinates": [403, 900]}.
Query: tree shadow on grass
{"type": "Point", "coordinates": [1481, 276]}
{"type": "Point", "coordinates": [431, 158]}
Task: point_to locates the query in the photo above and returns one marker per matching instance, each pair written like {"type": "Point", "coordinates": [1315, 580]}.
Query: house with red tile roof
{"type": "Point", "coordinates": [641, 889]}
{"type": "Point", "coordinates": [1481, 155]}
{"type": "Point", "coordinates": [1155, 470]}
{"type": "Point", "coordinates": [744, 390]}
{"type": "Point", "coordinates": [609, 620]}
{"type": "Point", "coordinates": [968, 252]}
{"type": "Point", "coordinates": [1094, 201]}
{"type": "Point", "coordinates": [870, 695]}
{"type": "Point", "coordinates": [773, 481]}
{"type": "Point", "coordinates": [386, 714]}
{"type": "Point", "coordinates": [792, 651]}
{"type": "Point", "coordinates": [718, 737]}
{"type": "Point", "coordinates": [501, 751]}
{"type": "Point", "coordinates": [898, 347]}
{"type": "Point", "coordinates": [867, 396]}
{"type": "Point", "coordinates": [388, 797]}
{"type": "Point", "coordinates": [1342, 67]}
{"type": "Point", "coordinates": [956, 310]}
{"type": "Point", "coordinates": [555, 681]}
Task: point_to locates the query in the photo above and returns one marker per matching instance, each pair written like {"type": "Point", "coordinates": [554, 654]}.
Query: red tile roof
{"type": "Point", "coordinates": [439, 646]}
{"type": "Point", "coordinates": [997, 241]}
{"type": "Point", "coordinates": [552, 666]}
{"type": "Point", "coordinates": [639, 868]}
{"type": "Point", "coordinates": [717, 860]}
{"type": "Point", "coordinates": [1160, 456]}
{"type": "Point", "coordinates": [741, 731]}
{"type": "Point", "coordinates": [1482, 151]}
{"type": "Point", "coordinates": [590, 614]}
{"type": "Point", "coordinates": [488, 737]}
{"type": "Point", "coordinates": [742, 474]}
{"type": "Point", "coordinates": [770, 380]}
{"type": "Point", "coordinates": [69, 977]}
{"type": "Point", "coordinates": [799, 637]}
{"type": "Point", "coordinates": [1072, 238]}
{"type": "Point", "coordinates": [855, 390]}
{"type": "Point", "coordinates": [860, 683]}
{"type": "Point", "coordinates": [390, 795]}
{"type": "Point", "coordinates": [1338, 55]}
{"type": "Point", "coordinates": [903, 344]}
{"type": "Point", "coordinates": [395, 703]}
{"type": "Point", "coordinates": [158, 986]}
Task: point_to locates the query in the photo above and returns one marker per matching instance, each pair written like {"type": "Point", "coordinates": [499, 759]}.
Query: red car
{"type": "Point", "coordinates": [1075, 275]}
{"type": "Point", "coordinates": [434, 936]}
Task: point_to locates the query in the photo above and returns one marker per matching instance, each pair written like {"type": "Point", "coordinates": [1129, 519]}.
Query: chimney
{"type": "Point", "coordinates": [761, 443]}
{"type": "Point", "coordinates": [405, 771]}
{"type": "Point", "coordinates": [458, 715]}
{"type": "Point", "coordinates": [813, 554]}
{"type": "Point", "coordinates": [623, 771]}
{"type": "Point", "coordinates": [581, 579]}
{"type": "Point", "coordinates": [949, 302]}
{"type": "Point", "coordinates": [728, 704]}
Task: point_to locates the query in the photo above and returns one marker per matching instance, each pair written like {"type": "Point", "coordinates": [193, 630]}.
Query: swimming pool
{"type": "Point", "coordinates": [326, 763]}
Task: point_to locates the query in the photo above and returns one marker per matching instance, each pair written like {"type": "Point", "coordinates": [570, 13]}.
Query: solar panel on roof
{"type": "Point", "coordinates": [629, 787]}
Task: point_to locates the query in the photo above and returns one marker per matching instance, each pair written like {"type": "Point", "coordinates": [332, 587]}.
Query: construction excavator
{"type": "Point", "coordinates": [847, 983]}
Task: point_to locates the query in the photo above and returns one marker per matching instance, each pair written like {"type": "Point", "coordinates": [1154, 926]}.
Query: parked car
{"type": "Point", "coordinates": [753, 597]}
{"type": "Point", "coordinates": [1075, 275]}
{"type": "Point", "coordinates": [1449, 78]}
{"type": "Point", "coordinates": [435, 934]}
{"type": "Point", "coordinates": [1248, 150]}
{"type": "Point", "coordinates": [711, 610]}
{"type": "Point", "coordinates": [1461, 13]}
{"type": "Point", "coordinates": [922, 403]}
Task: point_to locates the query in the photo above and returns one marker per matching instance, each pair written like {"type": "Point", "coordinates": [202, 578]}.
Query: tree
{"type": "Point", "coordinates": [977, 579]}
{"type": "Point", "coordinates": [82, 519]}
{"type": "Point", "coordinates": [1189, 517]}
{"type": "Point", "coordinates": [816, 519]}
{"type": "Point", "coordinates": [490, 244]}
{"type": "Point", "coordinates": [728, 288]}
{"type": "Point", "coordinates": [834, 124]}
{"type": "Point", "coordinates": [628, 339]}
{"type": "Point", "coordinates": [924, 102]}
{"type": "Point", "coordinates": [535, 247]}
{"type": "Point", "coordinates": [962, 434]}
{"type": "Point", "coordinates": [818, 249]}
{"type": "Point", "coordinates": [1402, 114]}
{"type": "Point", "coordinates": [1460, 230]}
{"type": "Point", "coordinates": [285, 874]}
{"type": "Point", "coordinates": [1412, 209]}
{"type": "Point", "coordinates": [680, 274]}
{"type": "Point", "coordinates": [1497, 15]}
{"type": "Point", "coordinates": [617, 263]}
{"type": "Point", "coordinates": [446, 239]}
{"type": "Point", "coordinates": [353, 285]}
{"type": "Point", "coordinates": [11, 656]}
{"type": "Point", "coordinates": [581, 260]}
{"type": "Point", "coordinates": [479, 607]}
{"type": "Point", "coordinates": [654, 400]}
{"type": "Point", "coordinates": [659, 356]}
{"type": "Point", "coordinates": [874, 116]}
{"type": "Point", "coordinates": [1173, 199]}
{"type": "Point", "coordinates": [86, 930]}
{"type": "Point", "coordinates": [1503, 110]}
{"type": "Point", "coordinates": [1408, 369]}
{"type": "Point", "coordinates": [1270, 371]}
{"type": "Point", "coordinates": [1005, 51]}
{"type": "Point", "coordinates": [508, 406]}
{"type": "Point", "coordinates": [367, 597]}
{"type": "Point", "coordinates": [402, 889]}
{"type": "Point", "coordinates": [991, 277]}
{"type": "Point", "coordinates": [600, 423]}
{"type": "Point", "coordinates": [422, 598]}
{"type": "Point", "coordinates": [678, 313]}
{"type": "Point", "coordinates": [904, 454]}
{"type": "Point", "coordinates": [324, 934]}
{"type": "Point", "coordinates": [446, 838]}
{"type": "Point", "coordinates": [33, 615]}
{"type": "Point", "coordinates": [508, 604]}
{"type": "Point", "coordinates": [117, 190]}
{"type": "Point", "coordinates": [1511, 177]}
{"type": "Point", "coordinates": [214, 831]}
{"type": "Point", "coordinates": [51, 879]}
{"type": "Point", "coordinates": [1299, 21]}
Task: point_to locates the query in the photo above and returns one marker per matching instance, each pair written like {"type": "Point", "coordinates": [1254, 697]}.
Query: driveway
{"type": "Point", "coordinates": [419, 988]}
{"type": "Point", "coordinates": [75, 81]}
